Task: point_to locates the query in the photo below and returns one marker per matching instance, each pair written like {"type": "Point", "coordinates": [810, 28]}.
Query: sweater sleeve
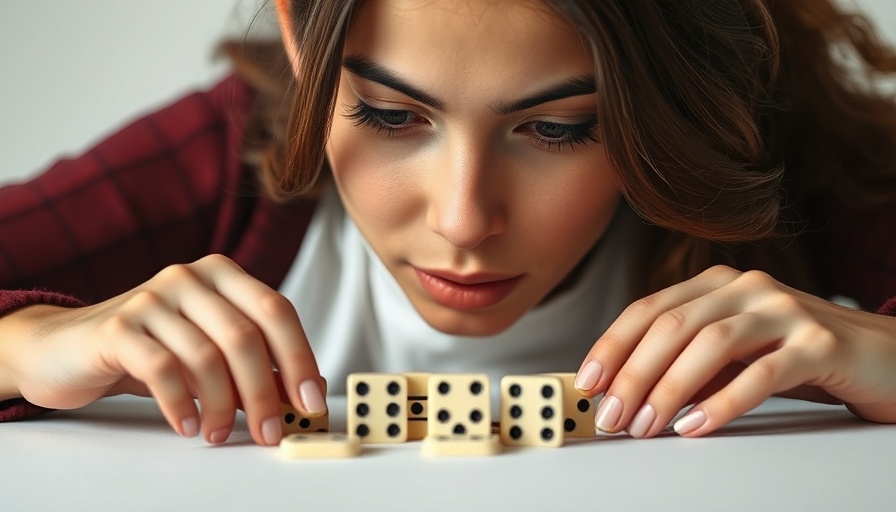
{"type": "Point", "coordinates": [165, 188]}
{"type": "Point", "coordinates": [15, 409]}
{"type": "Point", "coordinates": [889, 308]}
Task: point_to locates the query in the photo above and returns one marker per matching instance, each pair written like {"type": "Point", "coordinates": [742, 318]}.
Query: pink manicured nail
{"type": "Point", "coordinates": [690, 422]}
{"type": "Point", "coordinates": [271, 431]}
{"type": "Point", "coordinates": [312, 397]}
{"type": "Point", "coordinates": [608, 413]}
{"type": "Point", "coordinates": [190, 427]}
{"type": "Point", "coordinates": [642, 421]}
{"type": "Point", "coordinates": [589, 375]}
{"type": "Point", "coordinates": [219, 436]}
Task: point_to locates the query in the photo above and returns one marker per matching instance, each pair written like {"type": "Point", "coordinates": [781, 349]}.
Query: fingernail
{"type": "Point", "coordinates": [642, 421]}
{"type": "Point", "coordinates": [271, 431]}
{"type": "Point", "coordinates": [190, 427]}
{"type": "Point", "coordinates": [312, 397]}
{"type": "Point", "coordinates": [690, 422]}
{"type": "Point", "coordinates": [608, 413]}
{"type": "Point", "coordinates": [589, 375]}
{"type": "Point", "coordinates": [219, 436]}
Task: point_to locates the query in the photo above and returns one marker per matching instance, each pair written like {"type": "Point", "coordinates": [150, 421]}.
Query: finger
{"type": "Point", "coordinates": [130, 352]}
{"type": "Point", "coordinates": [280, 324]}
{"type": "Point", "coordinates": [244, 349]}
{"type": "Point", "coordinates": [665, 340]}
{"type": "Point", "coordinates": [800, 360]}
{"type": "Point", "coordinates": [616, 345]}
{"type": "Point", "coordinates": [712, 349]}
{"type": "Point", "coordinates": [206, 369]}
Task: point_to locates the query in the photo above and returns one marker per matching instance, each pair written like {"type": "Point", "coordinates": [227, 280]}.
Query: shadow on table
{"type": "Point", "coordinates": [769, 423]}
{"type": "Point", "coordinates": [135, 415]}
{"type": "Point", "coordinates": [793, 422]}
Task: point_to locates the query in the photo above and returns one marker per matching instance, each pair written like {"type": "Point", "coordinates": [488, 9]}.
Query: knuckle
{"type": "Point", "coordinates": [667, 389]}
{"type": "Point", "coordinates": [670, 322]}
{"type": "Point", "coordinates": [175, 273]}
{"type": "Point", "coordinates": [145, 299]}
{"type": "Point", "coordinates": [720, 272]}
{"type": "Point", "coordinates": [217, 261]}
{"type": "Point", "coordinates": [819, 343]}
{"type": "Point", "coordinates": [215, 258]}
{"type": "Point", "coordinates": [757, 280]}
{"type": "Point", "coordinates": [641, 307]}
{"type": "Point", "coordinates": [765, 370]}
{"type": "Point", "coordinates": [115, 326]}
{"type": "Point", "coordinates": [275, 305]}
{"type": "Point", "coordinates": [786, 304]}
{"type": "Point", "coordinates": [715, 334]}
{"type": "Point", "coordinates": [160, 365]}
{"type": "Point", "coordinates": [240, 335]}
{"type": "Point", "coordinates": [207, 357]}
{"type": "Point", "coordinates": [627, 379]}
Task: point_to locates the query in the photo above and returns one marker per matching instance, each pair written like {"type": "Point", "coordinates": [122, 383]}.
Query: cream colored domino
{"type": "Point", "coordinates": [531, 410]}
{"type": "Point", "coordinates": [377, 407]}
{"type": "Point", "coordinates": [461, 446]}
{"type": "Point", "coordinates": [578, 411]}
{"type": "Point", "coordinates": [317, 445]}
{"type": "Point", "coordinates": [418, 410]}
{"type": "Point", "coordinates": [293, 422]}
{"type": "Point", "coordinates": [459, 405]}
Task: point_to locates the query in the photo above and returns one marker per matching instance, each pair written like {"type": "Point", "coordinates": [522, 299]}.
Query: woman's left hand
{"type": "Point", "coordinates": [726, 341]}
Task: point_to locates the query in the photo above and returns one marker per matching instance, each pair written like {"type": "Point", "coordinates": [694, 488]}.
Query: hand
{"type": "Point", "coordinates": [726, 341]}
{"type": "Point", "coordinates": [206, 330]}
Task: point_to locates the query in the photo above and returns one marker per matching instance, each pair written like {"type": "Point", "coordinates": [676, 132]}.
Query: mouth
{"type": "Point", "coordinates": [466, 292]}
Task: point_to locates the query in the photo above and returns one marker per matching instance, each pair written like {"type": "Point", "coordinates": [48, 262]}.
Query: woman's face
{"type": "Point", "coordinates": [464, 147]}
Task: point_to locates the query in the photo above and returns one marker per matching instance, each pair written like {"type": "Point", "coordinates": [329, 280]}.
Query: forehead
{"type": "Point", "coordinates": [469, 42]}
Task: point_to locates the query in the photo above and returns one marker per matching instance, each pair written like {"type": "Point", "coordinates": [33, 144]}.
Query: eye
{"type": "Point", "coordinates": [392, 121]}
{"type": "Point", "coordinates": [554, 136]}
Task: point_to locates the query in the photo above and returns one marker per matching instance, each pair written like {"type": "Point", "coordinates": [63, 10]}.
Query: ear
{"type": "Point", "coordinates": [287, 33]}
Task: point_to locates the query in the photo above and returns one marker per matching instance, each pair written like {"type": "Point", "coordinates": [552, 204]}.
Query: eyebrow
{"type": "Point", "coordinates": [367, 69]}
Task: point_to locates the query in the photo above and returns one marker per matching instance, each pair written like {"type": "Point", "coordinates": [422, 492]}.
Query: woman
{"type": "Point", "coordinates": [474, 171]}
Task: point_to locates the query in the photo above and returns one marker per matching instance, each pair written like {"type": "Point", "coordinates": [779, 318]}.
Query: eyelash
{"type": "Point", "coordinates": [364, 115]}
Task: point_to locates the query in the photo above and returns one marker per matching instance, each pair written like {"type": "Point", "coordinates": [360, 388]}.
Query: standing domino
{"type": "Point", "coordinates": [418, 410]}
{"type": "Point", "coordinates": [377, 407]}
{"type": "Point", "coordinates": [459, 420]}
{"type": "Point", "coordinates": [459, 404]}
{"type": "Point", "coordinates": [531, 410]}
{"type": "Point", "coordinates": [578, 411]}
{"type": "Point", "coordinates": [292, 422]}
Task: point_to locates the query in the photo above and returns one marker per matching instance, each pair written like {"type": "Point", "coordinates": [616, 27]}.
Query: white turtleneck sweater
{"type": "Point", "coordinates": [358, 319]}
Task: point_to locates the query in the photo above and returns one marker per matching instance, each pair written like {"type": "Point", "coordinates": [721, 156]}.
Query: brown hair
{"type": "Point", "coordinates": [729, 122]}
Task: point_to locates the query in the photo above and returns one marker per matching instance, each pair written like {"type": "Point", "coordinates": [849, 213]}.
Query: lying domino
{"type": "Point", "coordinates": [317, 445]}
{"type": "Point", "coordinates": [461, 446]}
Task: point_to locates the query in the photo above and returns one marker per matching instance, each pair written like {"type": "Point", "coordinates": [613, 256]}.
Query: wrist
{"type": "Point", "coordinates": [17, 330]}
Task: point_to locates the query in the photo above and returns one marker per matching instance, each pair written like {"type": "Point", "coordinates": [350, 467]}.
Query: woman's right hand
{"type": "Point", "coordinates": [206, 330]}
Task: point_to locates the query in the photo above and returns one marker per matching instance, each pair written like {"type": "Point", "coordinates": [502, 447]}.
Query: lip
{"type": "Point", "coordinates": [466, 292]}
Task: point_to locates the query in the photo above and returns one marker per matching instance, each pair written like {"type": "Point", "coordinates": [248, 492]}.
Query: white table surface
{"type": "Point", "coordinates": [119, 454]}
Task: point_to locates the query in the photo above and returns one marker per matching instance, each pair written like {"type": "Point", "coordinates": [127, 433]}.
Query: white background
{"type": "Point", "coordinates": [73, 71]}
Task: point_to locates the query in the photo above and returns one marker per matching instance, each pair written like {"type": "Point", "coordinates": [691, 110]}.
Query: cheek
{"type": "Point", "coordinates": [572, 211]}
{"type": "Point", "coordinates": [371, 179]}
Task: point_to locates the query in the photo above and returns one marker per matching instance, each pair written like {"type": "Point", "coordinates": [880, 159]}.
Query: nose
{"type": "Point", "coordinates": [465, 203]}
